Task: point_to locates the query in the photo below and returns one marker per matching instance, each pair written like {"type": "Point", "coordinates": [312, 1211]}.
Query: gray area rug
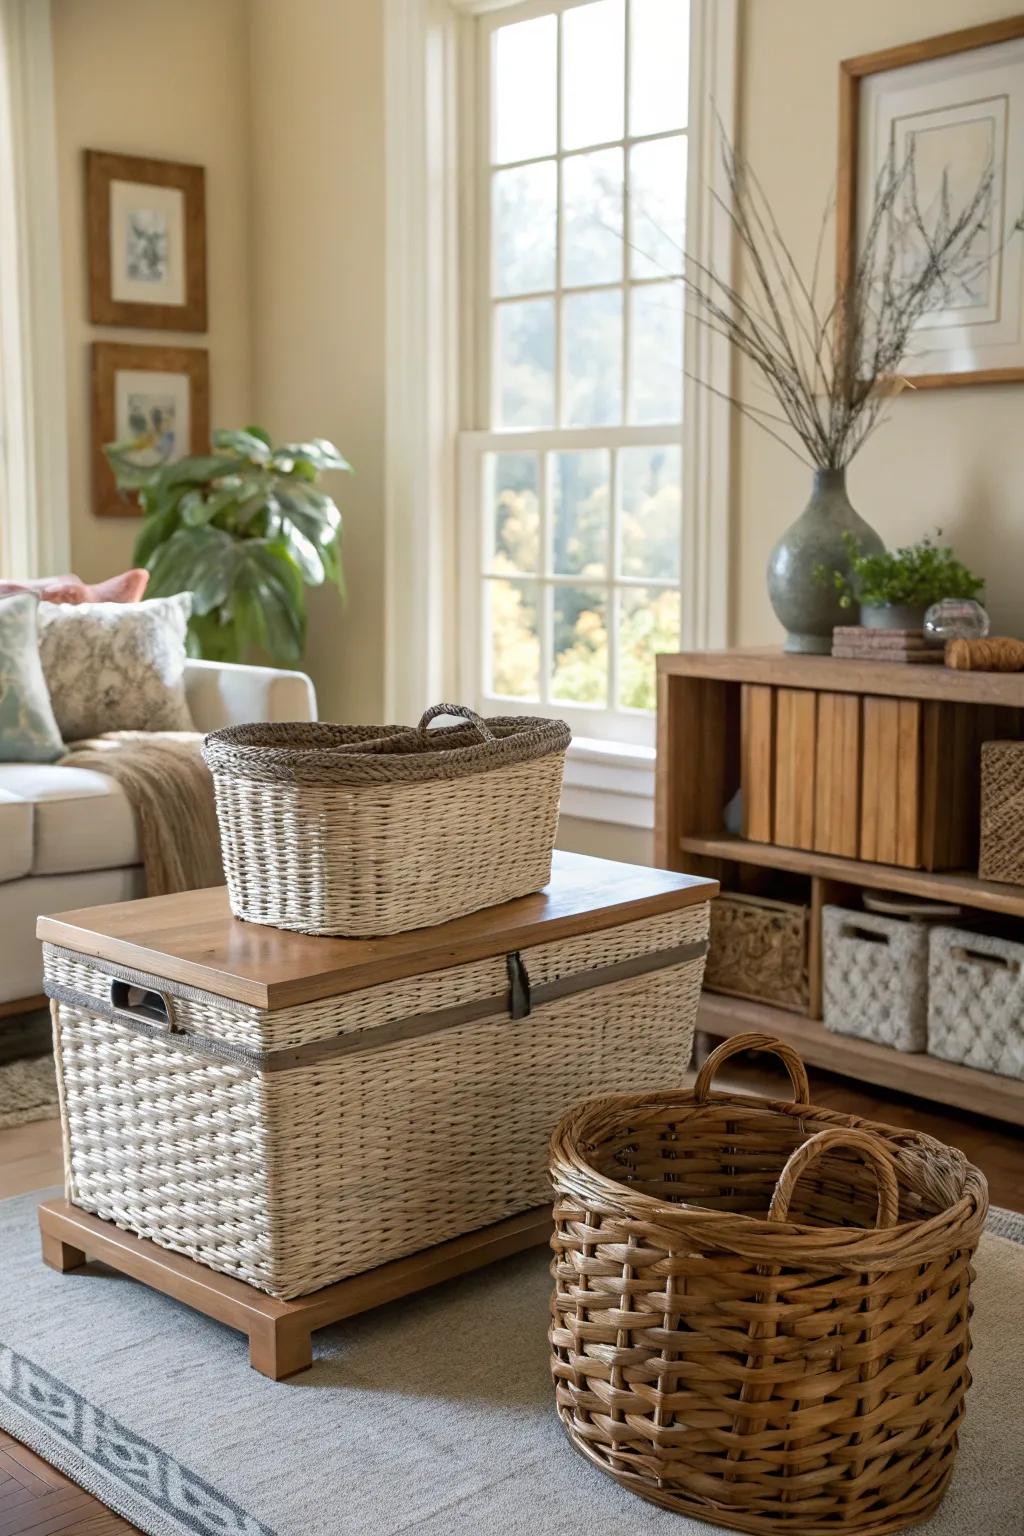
{"type": "Point", "coordinates": [431, 1416]}
{"type": "Point", "coordinates": [28, 1091]}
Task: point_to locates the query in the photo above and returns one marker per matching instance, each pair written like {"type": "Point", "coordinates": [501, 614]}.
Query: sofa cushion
{"type": "Point", "coordinates": [15, 836]}
{"type": "Point", "coordinates": [80, 820]}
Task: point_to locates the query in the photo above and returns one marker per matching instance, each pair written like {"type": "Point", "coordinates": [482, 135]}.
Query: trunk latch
{"type": "Point", "coordinates": [518, 985]}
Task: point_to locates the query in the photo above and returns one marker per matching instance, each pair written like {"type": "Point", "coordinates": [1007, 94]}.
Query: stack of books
{"type": "Point", "coordinates": [855, 643]}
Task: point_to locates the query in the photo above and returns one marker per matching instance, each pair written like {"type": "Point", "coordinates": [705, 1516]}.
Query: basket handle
{"type": "Point", "coordinates": [873, 1151]}
{"type": "Point", "coordinates": [462, 712]}
{"type": "Point", "coordinates": [753, 1042]}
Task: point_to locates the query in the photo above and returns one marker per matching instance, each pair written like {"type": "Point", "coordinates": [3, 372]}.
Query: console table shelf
{"type": "Point", "coordinates": [891, 771]}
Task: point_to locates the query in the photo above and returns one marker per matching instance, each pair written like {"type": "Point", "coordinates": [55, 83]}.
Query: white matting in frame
{"type": "Point", "coordinates": [957, 113]}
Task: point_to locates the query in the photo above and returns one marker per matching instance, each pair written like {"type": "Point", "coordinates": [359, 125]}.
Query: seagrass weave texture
{"type": "Point", "coordinates": [759, 950]}
{"type": "Point", "coordinates": [366, 830]}
{"type": "Point", "coordinates": [1002, 811]}
{"type": "Point", "coordinates": [291, 1179]}
{"type": "Point", "coordinates": [760, 1315]}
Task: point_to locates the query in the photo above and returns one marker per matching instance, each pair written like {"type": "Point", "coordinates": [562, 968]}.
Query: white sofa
{"type": "Point", "coordinates": [67, 835]}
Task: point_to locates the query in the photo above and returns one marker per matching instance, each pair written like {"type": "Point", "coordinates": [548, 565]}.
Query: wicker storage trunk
{"type": "Point", "coordinates": [366, 830]}
{"type": "Point", "coordinates": [761, 1308]}
{"type": "Point", "coordinates": [976, 1000]}
{"type": "Point", "coordinates": [291, 1147]}
{"type": "Point", "coordinates": [875, 978]}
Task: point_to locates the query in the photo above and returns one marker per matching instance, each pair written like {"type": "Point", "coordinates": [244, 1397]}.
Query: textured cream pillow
{"type": "Point", "coordinates": [116, 666]}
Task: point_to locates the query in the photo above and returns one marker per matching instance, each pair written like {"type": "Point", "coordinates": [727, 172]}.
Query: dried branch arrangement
{"type": "Point", "coordinates": [832, 365]}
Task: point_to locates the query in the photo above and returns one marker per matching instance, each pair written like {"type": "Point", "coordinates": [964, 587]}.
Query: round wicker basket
{"type": "Point", "coordinates": [761, 1308]}
{"type": "Point", "coordinates": [365, 830]}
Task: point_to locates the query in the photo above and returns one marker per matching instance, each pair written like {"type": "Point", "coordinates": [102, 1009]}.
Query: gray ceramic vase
{"type": "Point", "coordinates": [807, 607]}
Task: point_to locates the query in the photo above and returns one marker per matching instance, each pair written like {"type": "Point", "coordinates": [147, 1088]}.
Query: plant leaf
{"type": "Point", "coordinates": [244, 443]}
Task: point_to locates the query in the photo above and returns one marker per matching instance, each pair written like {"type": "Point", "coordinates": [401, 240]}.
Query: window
{"type": "Point", "coordinates": [571, 488]}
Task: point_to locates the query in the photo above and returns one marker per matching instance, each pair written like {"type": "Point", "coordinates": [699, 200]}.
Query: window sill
{"type": "Point", "coordinates": [609, 781]}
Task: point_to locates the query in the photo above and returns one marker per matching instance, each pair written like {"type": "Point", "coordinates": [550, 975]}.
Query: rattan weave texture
{"type": "Point", "coordinates": [366, 830]}
{"type": "Point", "coordinates": [296, 1178]}
{"type": "Point", "coordinates": [1002, 811]}
{"type": "Point", "coordinates": [760, 1315]}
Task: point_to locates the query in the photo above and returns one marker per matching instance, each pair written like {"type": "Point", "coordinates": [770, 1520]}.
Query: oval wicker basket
{"type": "Point", "coordinates": [365, 830]}
{"type": "Point", "coordinates": [761, 1308]}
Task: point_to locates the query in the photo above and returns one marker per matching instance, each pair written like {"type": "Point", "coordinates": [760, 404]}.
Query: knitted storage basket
{"type": "Point", "coordinates": [761, 1308]}
{"type": "Point", "coordinates": [367, 830]}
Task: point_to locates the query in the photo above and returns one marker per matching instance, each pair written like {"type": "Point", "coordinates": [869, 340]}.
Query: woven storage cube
{"type": "Point", "coordinates": [875, 978]}
{"type": "Point", "coordinates": [365, 830]}
{"type": "Point", "coordinates": [293, 1147]}
{"type": "Point", "coordinates": [976, 1000]}
{"type": "Point", "coordinates": [759, 950]}
{"type": "Point", "coordinates": [1002, 811]}
{"type": "Point", "coordinates": [760, 1314]}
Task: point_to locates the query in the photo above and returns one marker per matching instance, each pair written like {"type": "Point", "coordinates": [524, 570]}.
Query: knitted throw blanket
{"type": "Point", "coordinates": [170, 791]}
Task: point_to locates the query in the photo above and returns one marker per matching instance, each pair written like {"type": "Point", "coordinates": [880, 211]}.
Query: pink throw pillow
{"type": "Point", "coordinates": [126, 588]}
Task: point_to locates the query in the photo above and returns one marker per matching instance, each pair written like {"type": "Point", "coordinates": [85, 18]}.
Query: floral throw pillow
{"type": "Point", "coordinates": [28, 730]}
{"type": "Point", "coordinates": [116, 666]}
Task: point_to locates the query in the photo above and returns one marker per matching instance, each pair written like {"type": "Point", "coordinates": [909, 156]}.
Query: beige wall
{"type": "Point", "coordinates": [318, 295]}
{"type": "Point", "coordinates": [949, 457]}
{"type": "Point", "coordinates": [168, 79]}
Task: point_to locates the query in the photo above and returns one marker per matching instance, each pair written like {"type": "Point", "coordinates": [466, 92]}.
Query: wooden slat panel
{"type": "Point", "coordinates": [837, 775]}
{"type": "Point", "coordinates": [890, 782]}
{"type": "Point", "coordinates": [795, 717]}
{"type": "Point", "coordinates": [757, 761]}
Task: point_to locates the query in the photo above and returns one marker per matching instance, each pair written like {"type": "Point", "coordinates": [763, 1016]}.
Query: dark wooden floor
{"type": "Point", "coordinates": [36, 1500]}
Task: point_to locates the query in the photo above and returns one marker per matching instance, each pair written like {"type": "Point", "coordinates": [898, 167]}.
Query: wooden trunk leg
{"type": "Point", "coordinates": [60, 1255]}
{"type": "Point", "coordinates": [278, 1349]}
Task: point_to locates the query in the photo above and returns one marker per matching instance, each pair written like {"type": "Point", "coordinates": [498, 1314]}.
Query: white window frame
{"type": "Point", "coordinates": [35, 535]}
{"type": "Point", "coordinates": [432, 275]}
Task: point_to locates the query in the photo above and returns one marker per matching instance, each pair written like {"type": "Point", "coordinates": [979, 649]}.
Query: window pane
{"type": "Point", "coordinates": [513, 511]}
{"type": "Point", "coordinates": [513, 638]}
{"type": "Point", "coordinates": [657, 197]}
{"type": "Point", "coordinates": [659, 65]}
{"type": "Point", "coordinates": [579, 534]}
{"type": "Point", "coordinates": [593, 359]}
{"type": "Point", "coordinates": [523, 244]}
{"type": "Point", "coordinates": [650, 512]}
{"type": "Point", "coordinates": [524, 363]}
{"type": "Point", "coordinates": [592, 217]}
{"type": "Point", "coordinates": [656, 363]}
{"type": "Point", "coordinates": [648, 623]}
{"type": "Point", "coordinates": [524, 91]}
{"type": "Point", "coordinates": [580, 630]}
{"type": "Point", "coordinates": [593, 73]}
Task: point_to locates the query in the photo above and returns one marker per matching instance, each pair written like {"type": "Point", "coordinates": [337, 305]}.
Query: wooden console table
{"type": "Point", "coordinates": [709, 739]}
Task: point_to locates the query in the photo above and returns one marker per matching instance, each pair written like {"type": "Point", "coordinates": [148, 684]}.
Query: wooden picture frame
{"type": "Point", "coordinates": [146, 232]}
{"type": "Point", "coordinates": [853, 132]}
{"type": "Point", "coordinates": [177, 411]}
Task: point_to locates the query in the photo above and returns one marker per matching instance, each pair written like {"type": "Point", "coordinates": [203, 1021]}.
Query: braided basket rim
{"type": "Point", "coordinates": [957, 1224]}
{"type": "Point", "coordinates": [317, 752]}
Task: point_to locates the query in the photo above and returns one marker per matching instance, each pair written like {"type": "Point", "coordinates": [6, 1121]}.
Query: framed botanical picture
{"type": "Point", "coordinates": [951, 110]}
{"type": "Point", "coordinates": [156, 400]}
{"type": "Point", "coordinates": [146, 223]}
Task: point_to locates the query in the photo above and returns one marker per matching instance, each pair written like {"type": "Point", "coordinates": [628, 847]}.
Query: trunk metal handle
{"type": "Point", "coordinates": [142, 1005]}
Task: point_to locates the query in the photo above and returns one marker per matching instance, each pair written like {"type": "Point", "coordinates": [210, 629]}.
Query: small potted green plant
{"type": "Point", "coordinates": [894, 589]}
{"type": "Point", "coordinates": [245, 529]}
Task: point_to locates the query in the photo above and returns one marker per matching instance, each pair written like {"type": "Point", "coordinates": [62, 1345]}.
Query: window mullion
{"type": "Point", "coordinates": [545, 592]}
{"type": "Point", "coordinates": [559, 230]}
{"type": "Point", "coordinates": [612, 619]}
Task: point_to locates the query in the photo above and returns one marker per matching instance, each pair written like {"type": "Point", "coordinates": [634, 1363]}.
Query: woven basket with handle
{"type": "Point", "coordinates": [761, 1308]}
{"type": "Point", "coordinates": [364, 830]}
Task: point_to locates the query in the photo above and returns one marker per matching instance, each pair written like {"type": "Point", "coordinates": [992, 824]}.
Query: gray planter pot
{"type": "Point", "coordinates": [892, 616]}
{"type": "Point", "coordinates": [808, 608]}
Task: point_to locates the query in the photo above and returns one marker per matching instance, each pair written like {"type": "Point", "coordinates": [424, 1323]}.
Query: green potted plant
{"type": "Point", "coordinates": [245, 529]}
{"type": "Point", "coordinates": [894, 589]}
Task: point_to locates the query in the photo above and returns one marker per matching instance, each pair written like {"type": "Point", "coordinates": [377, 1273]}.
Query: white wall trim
{"type": "Point", "coordinates": [422, 262]}
{"type": "Point", "coordinates": [35, 530]}
{"type": "Point", "coordinates": [707, 418]}
{"type": "Point", "coordinates": [608, 781]}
